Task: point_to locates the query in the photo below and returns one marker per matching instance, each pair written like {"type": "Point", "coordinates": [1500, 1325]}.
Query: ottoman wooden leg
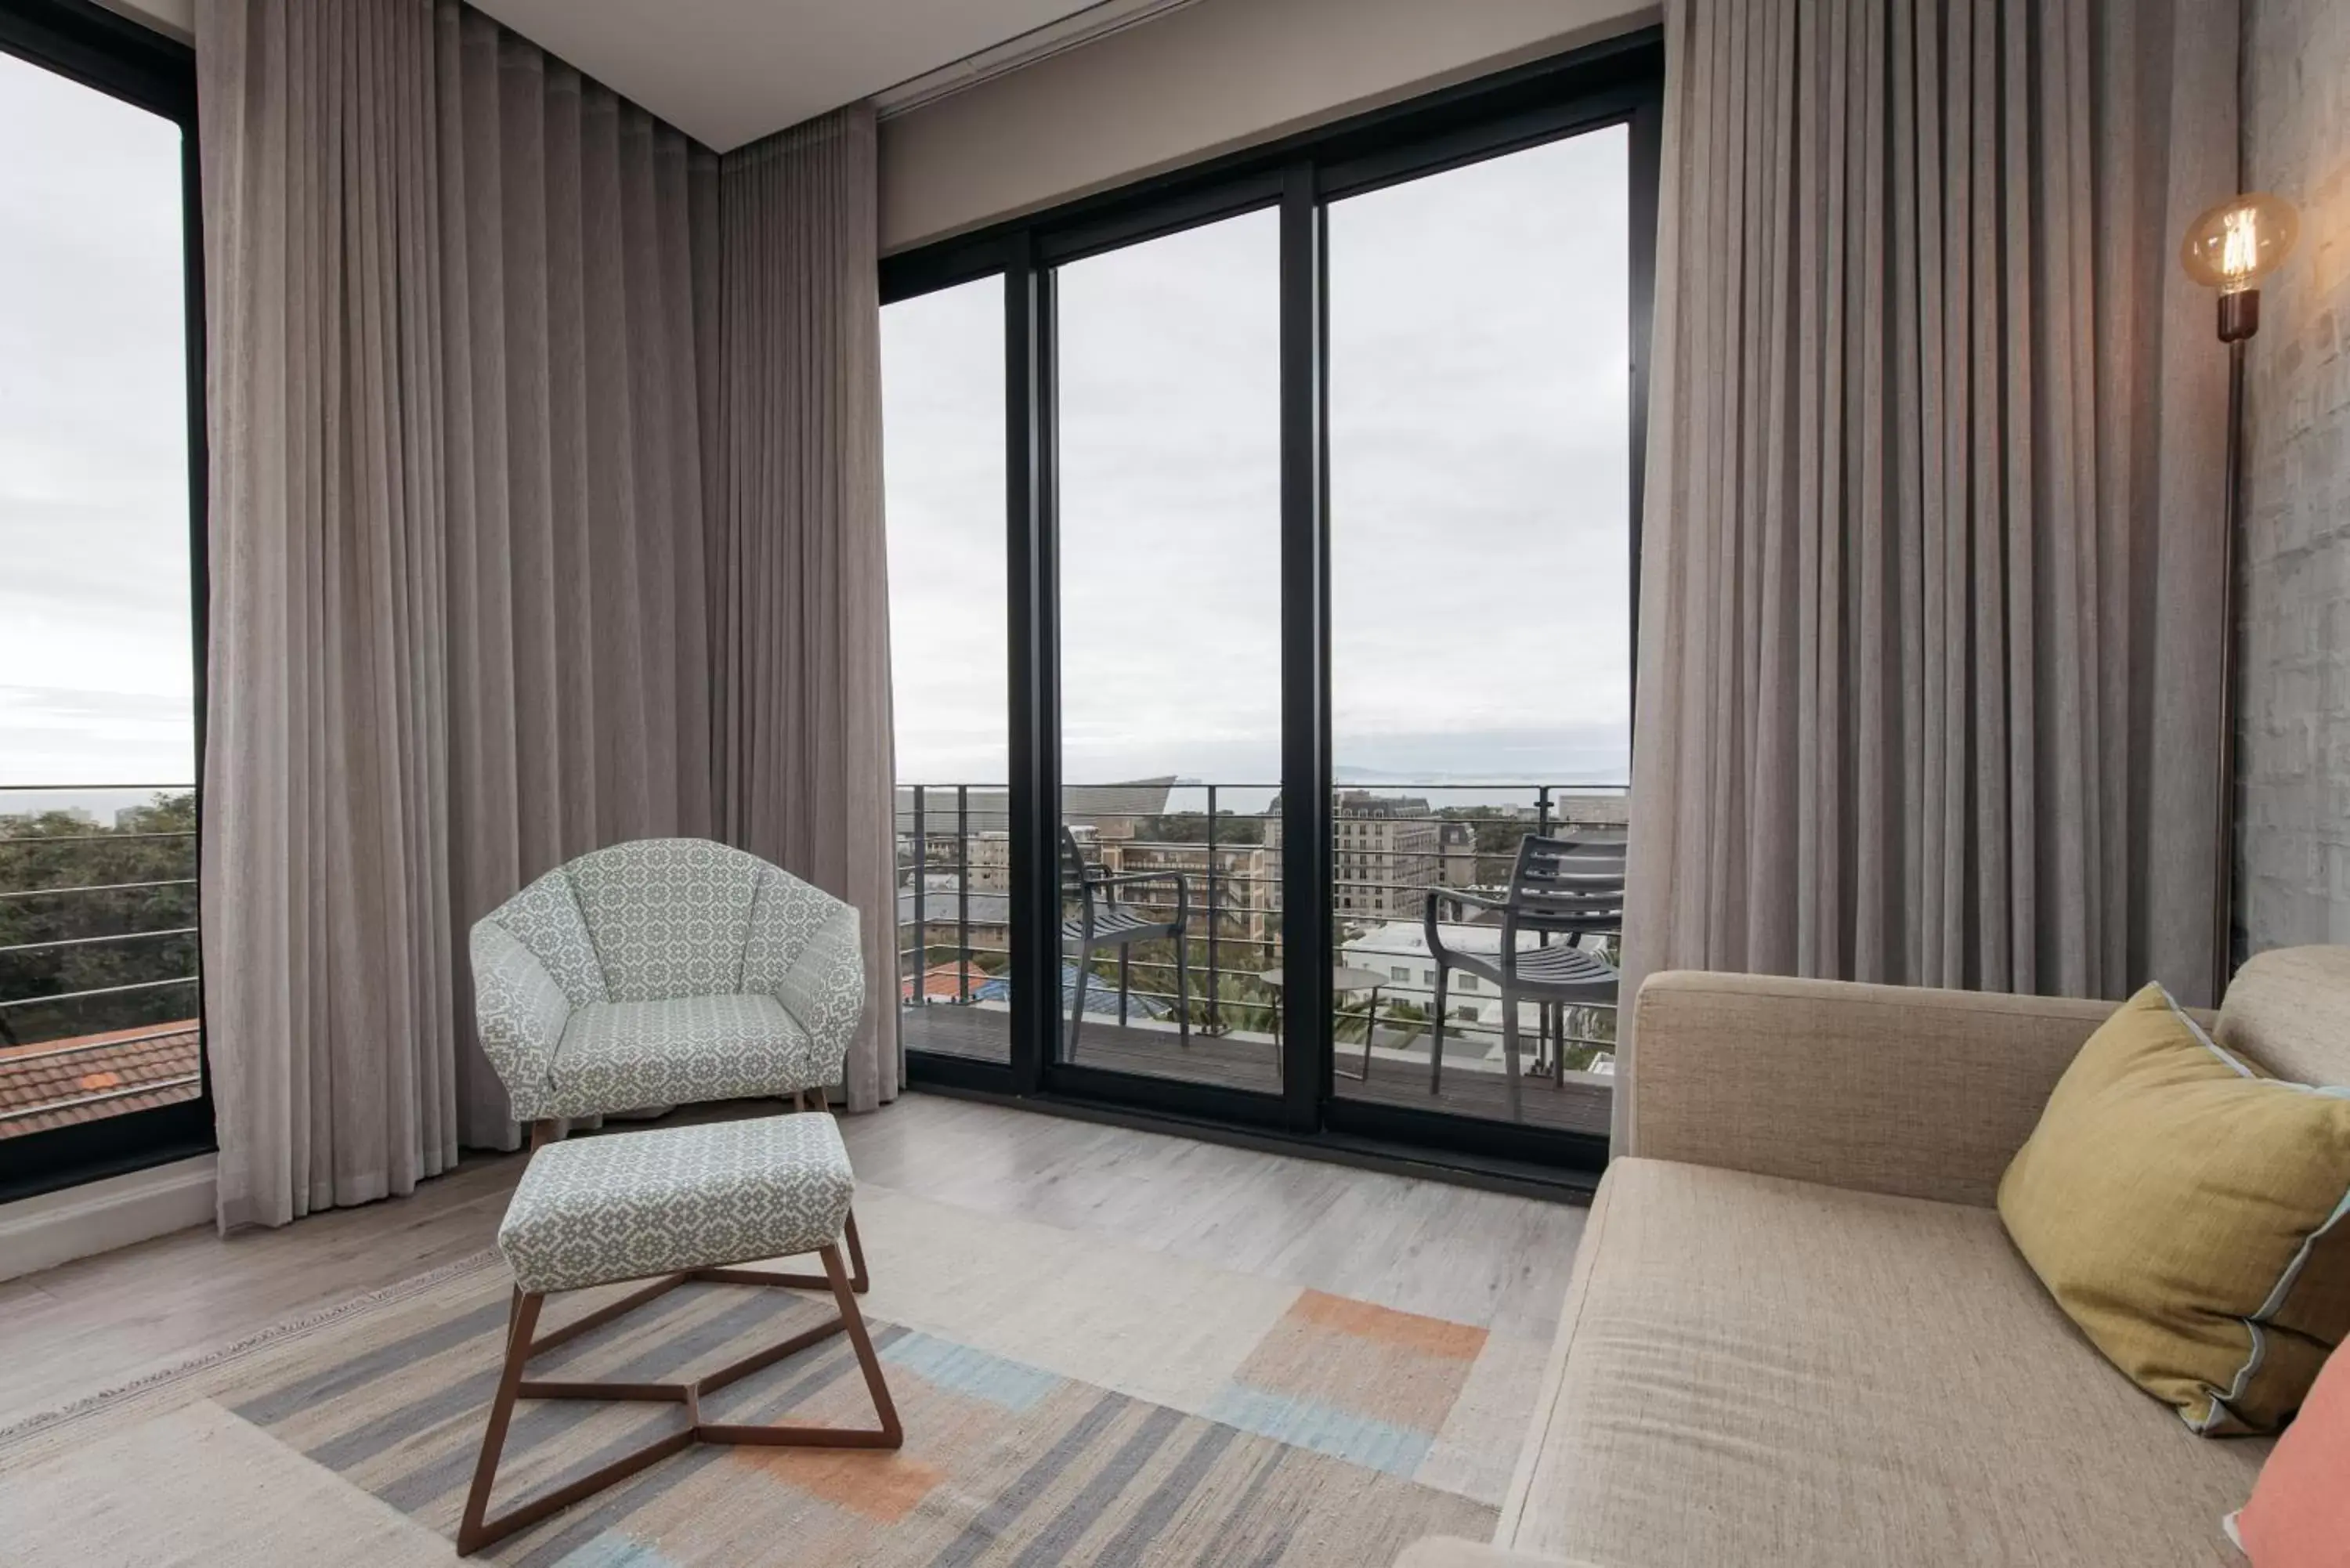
{"type": "Point", "coordinates": [859, 1280]}
{"type": "Point", "coordinates": [476, 1529]}
{"type": "Point", "coordinates": [889, 1434]}
{"type": "Point", "coordinates": [521, 1320]}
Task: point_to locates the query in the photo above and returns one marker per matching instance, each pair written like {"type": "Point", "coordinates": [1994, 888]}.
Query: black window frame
{"type": "Point", "coordinates": [98, 49]}
{"type": "Point", "coordinates": [1619, 81]}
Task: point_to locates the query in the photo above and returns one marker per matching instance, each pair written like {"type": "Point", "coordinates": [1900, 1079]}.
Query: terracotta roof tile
{"type": "Point", "coordinates": [56, 1082]}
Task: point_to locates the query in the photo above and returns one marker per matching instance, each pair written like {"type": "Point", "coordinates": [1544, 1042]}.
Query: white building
{"type": "Point", "coordinates": [1399, 950]}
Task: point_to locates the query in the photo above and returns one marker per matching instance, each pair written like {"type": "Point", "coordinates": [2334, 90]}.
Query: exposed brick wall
{"type": "Point", "coordinates": [2295, 714]}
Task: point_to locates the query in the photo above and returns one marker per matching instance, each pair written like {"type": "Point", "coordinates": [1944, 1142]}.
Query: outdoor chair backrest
{"type": "Point", "coordinates": [1571, 885]}
{"type": "Point", "coordinates": [1074, 875]}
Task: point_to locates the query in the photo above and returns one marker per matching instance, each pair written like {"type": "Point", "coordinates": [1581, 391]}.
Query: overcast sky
{"type": "Point", "coordinates": [1477, 405]}
{"type": "Point", "coordinates": [95, 659]}
{"type": "Point", "coordinates": [1478, 493]}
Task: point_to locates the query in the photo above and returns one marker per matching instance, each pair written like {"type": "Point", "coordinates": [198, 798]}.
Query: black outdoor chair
{"type": "Point", "coordinates": [1558, 886]}
{"type": "Point", "coordinates": [1102, 921]}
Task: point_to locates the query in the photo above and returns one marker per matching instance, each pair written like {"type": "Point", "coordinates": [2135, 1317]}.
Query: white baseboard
{"type": "Point", "coordinates": [55, 1228]}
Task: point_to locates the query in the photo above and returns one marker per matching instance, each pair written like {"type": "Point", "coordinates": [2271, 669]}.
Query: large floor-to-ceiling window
{"type": "Point", "coordinates": [1314, 492]}
{"type": "Point", "coordinates": [943, 460]}
{"type": "Point", "coordinates": [101, 1064]}
{"type": "Point", "coordinates": [1481, 631]}
{"type": "Point", "coordinates": [1168, 376]}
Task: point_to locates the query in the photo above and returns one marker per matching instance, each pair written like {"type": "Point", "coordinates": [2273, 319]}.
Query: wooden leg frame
{"type": "Point", "coordinates": [845, 1281]}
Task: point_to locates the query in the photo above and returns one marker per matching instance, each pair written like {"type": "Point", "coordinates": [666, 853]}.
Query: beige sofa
{"type": "Point", "coordinates": [1796, 1333]}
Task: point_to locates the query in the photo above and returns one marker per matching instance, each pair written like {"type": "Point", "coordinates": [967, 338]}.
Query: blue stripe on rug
{"type": "Point", "coordinates": [1324, 1428]}
{"type": "Point", "coordinates": [614, 1550]}
{"type": "Point", "coordinates": [961, 1369]}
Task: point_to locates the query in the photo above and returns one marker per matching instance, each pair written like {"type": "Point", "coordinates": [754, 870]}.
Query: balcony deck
{"type": "Point", "coordinates": [1399, 1073]}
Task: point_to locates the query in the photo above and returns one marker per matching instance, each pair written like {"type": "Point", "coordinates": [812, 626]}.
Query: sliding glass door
{"type": "Point", "coordinates": [1169, 377]}
{"type": "Point", "coordinates": [1316, 511]}
{"type": "Point", "coordinates": [1481, 646]}
{"type": "Point", "coordinates": [942, 468]}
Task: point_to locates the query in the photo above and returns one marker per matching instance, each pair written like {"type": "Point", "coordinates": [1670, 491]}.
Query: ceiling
{"type": "Point", "coordinates": [730, 71]}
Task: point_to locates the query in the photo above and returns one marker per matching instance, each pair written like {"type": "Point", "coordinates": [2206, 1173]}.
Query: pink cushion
{"type": "Point", "coordinates": [2300, 1513]}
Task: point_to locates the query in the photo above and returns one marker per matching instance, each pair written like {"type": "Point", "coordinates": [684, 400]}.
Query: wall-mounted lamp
{"type": "Point", "coordinates": [2233, 247]}
{"type": "Point", "coordinates": [2230, 248]}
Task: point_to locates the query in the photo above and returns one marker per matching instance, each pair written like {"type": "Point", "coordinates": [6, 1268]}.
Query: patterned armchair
{"type": "Point", "coordinates": [665, 972]}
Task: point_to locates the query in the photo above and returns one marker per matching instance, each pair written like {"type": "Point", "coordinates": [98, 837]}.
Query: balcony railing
{"type": "Point", "coordinates": [98, 955]}
{"type": "Point", "coordinates": [1390, 846]}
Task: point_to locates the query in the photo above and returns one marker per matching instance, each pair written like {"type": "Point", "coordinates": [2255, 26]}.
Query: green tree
{"type": "Point", "coordinates": [1191, 827]}
{"type": "Point", "coordinates": [146, 861]}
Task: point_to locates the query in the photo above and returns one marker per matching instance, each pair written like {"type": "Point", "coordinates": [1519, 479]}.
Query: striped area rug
{"type": "Point", "coordinates": [1191, 1416]}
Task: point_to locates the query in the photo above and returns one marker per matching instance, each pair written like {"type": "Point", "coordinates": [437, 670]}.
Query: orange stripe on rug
{"type": "Point", "coordinates": [883, 1488]}
{"type": "Point", "coordinates": [1404, 1330]}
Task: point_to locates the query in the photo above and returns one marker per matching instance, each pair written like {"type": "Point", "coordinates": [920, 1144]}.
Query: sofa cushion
{"type": "Point", "coordinates": [679, 1050]}
{"type": "Point", "coordinates": [669, 914]}
{"type": "Point", "coordinates": [2284, 1010]}
{"type": "Point", "coordinates": [1758, 1371]}
{"type": "Point", "coordinates": [623, 1205]}
{"type": "Point", "coordinates": [2298, 1516]}
{"type": "Point", "coordinates": [2189, 1215]}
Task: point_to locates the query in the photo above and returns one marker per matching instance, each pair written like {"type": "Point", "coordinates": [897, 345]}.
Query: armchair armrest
{"type": "Point", "coordinates": [1882, 1088]}
{"type": "Point", "coordinates": [824, 990]}
{"type": "Point", "coordinates": [519, 1013]}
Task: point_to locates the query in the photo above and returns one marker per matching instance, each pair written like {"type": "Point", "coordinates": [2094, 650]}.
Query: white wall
{"type": "Point", "coordinates": [2294, 716]}
{"type": "Point", "coordinates": [177, 17]}
{"type": "Point", "coordinates": [55, 1228]}
{"type": "Point", "coordinates": [1206, 78]}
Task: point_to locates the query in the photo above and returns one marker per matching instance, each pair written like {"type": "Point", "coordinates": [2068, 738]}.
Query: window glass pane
{"type": "Point", "coordinates": [1480, 599]}
{"type": "Point", "coordinates": [1170, 392]}
{"type": "Point", "coordinates": [942, 461]}
{"type": "Point", "coordinates": [97, 644]}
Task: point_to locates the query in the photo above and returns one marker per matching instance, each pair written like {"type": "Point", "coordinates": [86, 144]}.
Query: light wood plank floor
{"type": "Point", "coordinates": [1483, 1258]}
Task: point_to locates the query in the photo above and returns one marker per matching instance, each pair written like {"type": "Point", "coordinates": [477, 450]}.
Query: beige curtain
{"type": "Point", "coordinates": [462, 310]}
{"type": "Point", "coordinates": [1929, 565]}
{"type": "Point", "coordinates": [328, 985]}
{"type": "Point", "coordinates": [579, 675]}
{"type": "Point", "coordinates": [800, 602]}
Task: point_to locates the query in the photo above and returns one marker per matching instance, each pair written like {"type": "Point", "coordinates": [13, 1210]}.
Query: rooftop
{"type": "Point", "coordinates": [57, 1083]}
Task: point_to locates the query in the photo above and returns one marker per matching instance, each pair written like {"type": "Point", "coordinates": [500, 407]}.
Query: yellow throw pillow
{"type": "Point", "coordinates": [2192, 1215]}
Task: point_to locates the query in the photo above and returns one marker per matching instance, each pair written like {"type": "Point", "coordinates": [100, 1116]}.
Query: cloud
{"type": "Point", "coordinates": [1479, 491]}
{"type": "Point", "coordinates": [96, 619]}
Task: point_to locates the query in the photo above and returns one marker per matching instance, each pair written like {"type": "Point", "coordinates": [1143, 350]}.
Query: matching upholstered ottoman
{"type": "Point", "coordinates": [670, 1206]}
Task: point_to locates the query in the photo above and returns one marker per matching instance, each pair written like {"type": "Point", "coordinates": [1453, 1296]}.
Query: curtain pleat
{"type": "Point", "coordinates": [578, 668]}
{"type": "Point", "coordinates": [800, 605]}
{"type": "Point", "coordinates": [326, 801]}
{"type": "Point", "coordinates": [472, 443]}
{"type": "Point", "coordinates": [1929, 588]}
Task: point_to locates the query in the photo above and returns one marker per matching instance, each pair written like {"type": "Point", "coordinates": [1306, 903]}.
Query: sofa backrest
{"type": "Point", "coordinates": [2289, 1011]}
{"type": "Point", "coordinates": [668, 916]}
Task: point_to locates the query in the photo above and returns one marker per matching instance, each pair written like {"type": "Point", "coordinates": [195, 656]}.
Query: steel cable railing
{"type": "Point", "coordinates": [1388, 860]}
{"type": "Point", "coordinates": [69, 991]}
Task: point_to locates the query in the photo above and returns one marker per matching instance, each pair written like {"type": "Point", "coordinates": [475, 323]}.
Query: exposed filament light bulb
{"type": "Point", "coordinates": [2239, 242]}
{"type": "Point", "coordinates": [2234, 245]}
